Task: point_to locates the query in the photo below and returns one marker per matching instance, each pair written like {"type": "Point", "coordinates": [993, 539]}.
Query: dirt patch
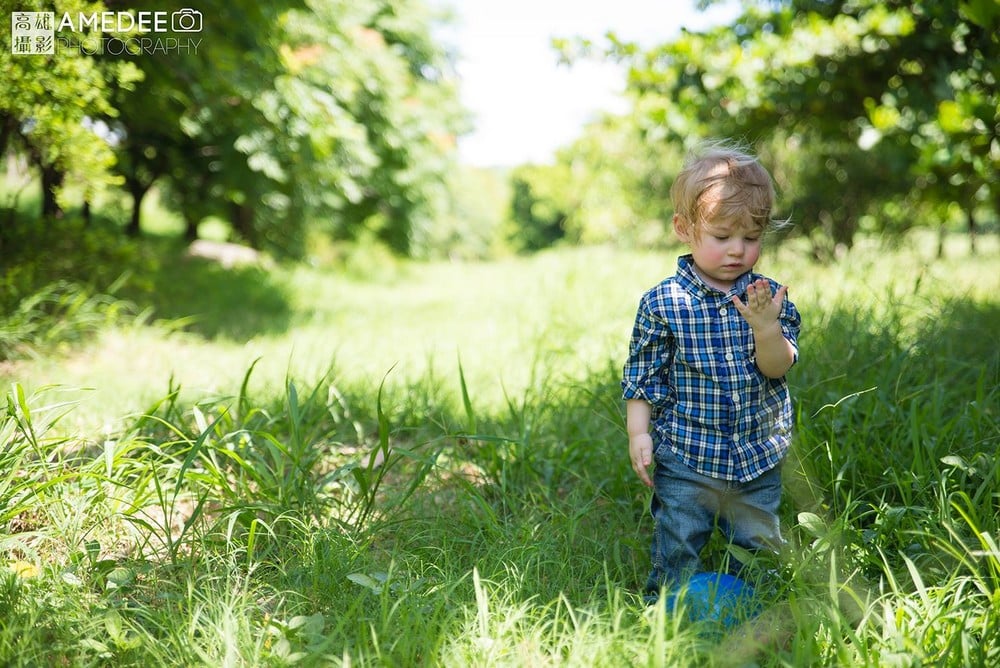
{"type": "Point", "coordinates": [228, 255]}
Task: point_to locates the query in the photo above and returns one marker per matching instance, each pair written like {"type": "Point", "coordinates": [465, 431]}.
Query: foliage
{"type": "Point", "coordinates": [540, 204]}
{"type": "Point", "coordinates": [471, 224]}
{"type": "Point", "coordinates": [608, 186]}
{"type": "Point", "coordinates": [371, 116]}
{"type": "Point", "coordinates": [68, 286]}
{"type": "Point", "coordinates": [58, 314]}
{"type": "Point", "coordinates": [288, 115]}
{"type": "Point", "coordinates": [50, 108]}
{"type": "Point", "coordinates": [869, 104]}
{"type": "Point", "coordinates": [94, 255]}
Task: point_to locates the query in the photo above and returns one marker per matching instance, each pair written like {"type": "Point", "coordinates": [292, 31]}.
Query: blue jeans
{"type": "Point", "coordinates": [688, 506]}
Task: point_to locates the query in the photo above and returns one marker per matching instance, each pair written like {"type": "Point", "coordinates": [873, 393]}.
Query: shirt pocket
{"type": "Point", "coordinates": [701, 400]}
{"type": "Point", "coordinates": [695, 359]}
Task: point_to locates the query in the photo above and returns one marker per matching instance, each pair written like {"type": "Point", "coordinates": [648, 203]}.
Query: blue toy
{"type": "Point", "coordinates": [716, 597]}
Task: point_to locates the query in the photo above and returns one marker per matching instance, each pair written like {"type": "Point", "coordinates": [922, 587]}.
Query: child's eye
{"type": "Point", "coordinates": [753, 239]}
{"type": "Point", "coordinates": [720, 237]}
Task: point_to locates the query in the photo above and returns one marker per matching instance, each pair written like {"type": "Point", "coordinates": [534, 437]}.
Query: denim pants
{"type": "Point", "coordinates": [688, 506]}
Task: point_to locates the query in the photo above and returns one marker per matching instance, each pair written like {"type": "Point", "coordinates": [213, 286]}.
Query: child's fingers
{"type": "Point", "coordinates": [640, 469]}
{"type": "Point", "coordinates": [748, 307]}
{"type": "Point", "coordinates": [762, 291]}
{"type": "Point", "coordinates": [641, 465]}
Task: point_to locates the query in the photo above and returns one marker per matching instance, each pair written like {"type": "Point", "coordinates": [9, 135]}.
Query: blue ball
{"type": "Point", "coordinates": [716, 597]}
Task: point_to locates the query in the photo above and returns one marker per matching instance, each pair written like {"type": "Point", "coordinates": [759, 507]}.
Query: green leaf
{"type": "Point", "coordinates": [951, 118]}
{"type": "Point", "coordinates": [812, 523]}
{"type": "Point", "coordinates": [308, 624]}
{"type": "Point", "coordinates": [366, 581]}
{"type": "Point", "coordinates": [984, 13]}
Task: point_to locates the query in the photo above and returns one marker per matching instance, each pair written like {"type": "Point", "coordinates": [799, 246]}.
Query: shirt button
{"type": "Point", "coordinates": [729, 357]}
{"type": "Point", "coordinates": [723, 311]}
{"type": "Point", "coordinates": [736, 438]}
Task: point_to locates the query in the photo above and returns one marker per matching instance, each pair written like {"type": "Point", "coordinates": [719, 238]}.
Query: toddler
{"type": "Point", "coordinates": [707, 404]}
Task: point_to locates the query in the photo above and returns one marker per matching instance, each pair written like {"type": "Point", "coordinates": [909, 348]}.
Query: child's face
{"type": "Point", "coordinates": [723, 250]}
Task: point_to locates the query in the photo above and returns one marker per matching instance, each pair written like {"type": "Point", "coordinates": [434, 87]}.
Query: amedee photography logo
{"type": "Point", "coordinates": [119, 33]}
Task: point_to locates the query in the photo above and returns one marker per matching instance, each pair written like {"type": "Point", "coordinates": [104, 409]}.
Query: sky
{"type": "Point", "coordinates": [523, 104]}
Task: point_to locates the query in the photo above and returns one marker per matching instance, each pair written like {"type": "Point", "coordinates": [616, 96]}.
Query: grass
{"type": "Point", "coordinates": [429, 468]}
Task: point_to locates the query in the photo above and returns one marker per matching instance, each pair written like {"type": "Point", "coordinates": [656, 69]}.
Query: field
{"type": "Point", "coordinates": [425, 464]}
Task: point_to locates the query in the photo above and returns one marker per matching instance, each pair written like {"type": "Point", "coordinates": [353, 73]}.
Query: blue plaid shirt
{"type": "Point", "coordinates": [691, 356]}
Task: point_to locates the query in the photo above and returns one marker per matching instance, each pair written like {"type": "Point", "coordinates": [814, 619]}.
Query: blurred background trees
{"type": "Point", "coordinates": [335, 114]}
{"type": "Point", "coordinates": [875, 116]}
{"type": "Point", "coordinates": [333, 119]}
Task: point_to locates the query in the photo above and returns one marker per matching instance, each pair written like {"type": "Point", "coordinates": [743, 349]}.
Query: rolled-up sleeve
{"type": "Point", "coordinates": [651, 348]}
{"type": "Point", "coordinates": [790, 322]}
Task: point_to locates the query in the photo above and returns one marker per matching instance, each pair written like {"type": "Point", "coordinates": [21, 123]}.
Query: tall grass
{"type": "Point", "coordinates": [59, 314]}
{"type": "Point", "coordinates": [477, 508]}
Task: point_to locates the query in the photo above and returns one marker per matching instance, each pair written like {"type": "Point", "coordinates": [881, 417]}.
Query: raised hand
{"type": "Point", "coordinates": [774, 354]}
{"type": "Point", "coordinates": [761, 309]}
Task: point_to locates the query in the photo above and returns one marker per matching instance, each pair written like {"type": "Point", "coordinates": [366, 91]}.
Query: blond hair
{"type": "Point", "coordinates": [720, 180]}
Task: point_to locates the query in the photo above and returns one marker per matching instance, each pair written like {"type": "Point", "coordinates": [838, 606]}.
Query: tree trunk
{"type": "Point", "coordinates": [138, 192]}
{"type": "Point", "coordinates": [7, 125]}
{"type": "Point", "coordinates": [972, 230]}
{"type": "Point", "coordinates": [190, 227]}
{"type": "Point", "coordinates": [241, 218]}
{"type": "Point", "coordinates": [52, 178]}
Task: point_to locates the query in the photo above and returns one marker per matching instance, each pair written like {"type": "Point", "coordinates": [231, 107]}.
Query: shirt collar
{"type": "Point", "coordinates": [689, 279]}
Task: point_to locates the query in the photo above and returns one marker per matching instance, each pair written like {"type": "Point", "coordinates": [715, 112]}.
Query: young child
{"type": "Point", "coordinates": [704, 383]}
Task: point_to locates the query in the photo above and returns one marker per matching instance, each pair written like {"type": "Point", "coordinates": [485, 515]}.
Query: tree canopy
{"type": "Point", "coordinates": [339, 113]}
{"type": "Point", "coordinates": [341, 116]}
{"type": "Point", "coordinates": [876, 115]}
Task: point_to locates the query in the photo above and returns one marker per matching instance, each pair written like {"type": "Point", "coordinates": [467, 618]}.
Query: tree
{"type": "Point", "coordinates": [870, 101]}
{"type": "Point", "coordinates": [539, 206]}
{"type": "Point", "coordinates": [608, 186]}
{"type": "Point", "coordinates": [289, 113]}
{"type": "Point", "coordinates": [378, 116]}
{"type": "Point", "coordinates": [49, 106]}
{"type": "Point", "coordinates": [201, 138]}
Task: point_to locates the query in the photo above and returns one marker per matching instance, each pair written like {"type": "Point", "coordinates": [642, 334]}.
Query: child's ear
{"type": "Point", "coordinates": [681, 228]}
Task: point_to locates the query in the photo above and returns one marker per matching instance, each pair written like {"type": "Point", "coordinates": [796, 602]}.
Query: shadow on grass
{"type": "Point", "coordinates": [206, 298]}
{"type": "Point", "coordinates": [951, 349]}
{"type": "Point", "coordinates": [883, 407]}
{"type": "Point", "coordinates": [961, 342]}
{"type": "Point", "coordinates": [200, 295]}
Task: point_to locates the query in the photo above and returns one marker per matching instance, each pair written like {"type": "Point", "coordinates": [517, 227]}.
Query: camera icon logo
{"type": "Point", "coordinates": [186, 20]}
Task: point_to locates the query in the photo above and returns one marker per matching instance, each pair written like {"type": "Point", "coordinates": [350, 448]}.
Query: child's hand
{"type": "Point", "coordinates": [761, 309]}
{"type": "Point", "coordinates": [640, 451]}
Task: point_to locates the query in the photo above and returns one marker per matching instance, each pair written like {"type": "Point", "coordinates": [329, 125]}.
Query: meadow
{"type": "Point", "coordinates": [395, 463]}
